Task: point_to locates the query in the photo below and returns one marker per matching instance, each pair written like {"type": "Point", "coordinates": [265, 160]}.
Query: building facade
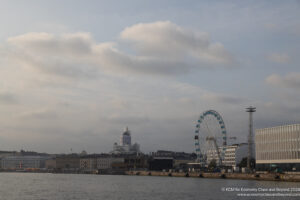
{"type": "Point", "coordinates": [68, 162]}
{"type": "Point", "coordinates": [161, 163]}
{"type": "Point", "coordinates": [23, 162]}
{"type": "Point", "coordinates": [50, 164]}
{"type": "Point", "coordinates": [232, 157]}
{"type": "Point", "coordinates": [107, 162]}
{"type": "Point", "coordinates": [278, 148]}
{"type": "Point", "coordinates": [88, 164]}
{"type": "Point", "coordinates": [234, 154]}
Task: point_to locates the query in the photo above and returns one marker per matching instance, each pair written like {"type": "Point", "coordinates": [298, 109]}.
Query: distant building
{"type": "Point", "coordinates": [50, 164]}
{"type": "Point", "coordinates": [233, 154]}
{"type": "Point", "coordinates": [125, 146]}
{"type": "Point", "coordinates": [88, 164]}
{"type": "Point", "coordinates": [136, 162]}
{"type": "Point", "coordinates": [7, 153]}
{"type": "Point", "coordinates": [68, 162]}
{"type": "Point", "coordinates": [211, 155]}
{"type": "Point", "coordinates": [126, 138]}
{"type": "Point", "coordinates": [107, 162]}
{"type": "Point", "coordinates": [175, 155]}
{"type": "Point", "coordinates": [179, 158]}
{"type": "Point", "coordinates": [161, 163]}
{"type": "Point", "coordinates": [278, 148]}
{"type": "Point", "coordinates": [23, 162]}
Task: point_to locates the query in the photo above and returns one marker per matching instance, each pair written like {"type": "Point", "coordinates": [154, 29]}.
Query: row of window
{"type": "Point", "coordinates": [278, 155]}
{"type": "Point", "coordinates": [286, 146]}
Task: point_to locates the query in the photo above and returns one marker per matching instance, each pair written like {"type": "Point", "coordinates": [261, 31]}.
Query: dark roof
{"type": "Point", "coordinates": [126, 133]}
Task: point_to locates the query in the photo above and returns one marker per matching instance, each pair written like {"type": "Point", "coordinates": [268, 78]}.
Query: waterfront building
{"type": "Point", "coordinates": [136, 162]}
{"type": "Point", "coordinates": [88, 164]}
{"type": "Point", "coordinates": [125, 146]}
{"type": "Point", "coordinates": [161, 163]}
{"type": "Point", "coordinates": [175, 155]}
{"type": "Point", "coordinates": [180, 159]}
{"type": "Point", "coordinates": [23, 162]}
{"type": "Point", "coordinates": [278, 148]}
{"type": "Point", "coordinates": [7, 153]}
{"type": "Point", "coordinates": [179, 163]}
{"type": "Point", "coordinates": [107, 162]}
{"type": "Point", "coordinates": [163, 153]}
{"type": "Point", "coordinates": [232, 157]}
{"type": "Point", "coordinates": [68, 162]}
{"type": "Point", "coordinates": [50, 164]}
{"type": "Point", "coordinates": [234, 154]}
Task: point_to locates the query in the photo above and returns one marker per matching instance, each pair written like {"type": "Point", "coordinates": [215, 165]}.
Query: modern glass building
{"type": "Point", "coordinates": [278, 148]}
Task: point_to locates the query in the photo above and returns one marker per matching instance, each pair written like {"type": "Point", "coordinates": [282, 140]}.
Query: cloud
{"type": "Point", "coordinates": [65, 55]}
{"type": "Point", "coordinates": [7, 98]}
{"type": "Point", "coordinates": [221, 98]}
{"type": "Point", "coordinates": [160, 48]}
{"type": "Point", "coordinates": [125, 120]}
{"type": "Point", "coordinates": [291, 80]}
{"type": "Point", "coordinates": [112, 60]}
{"type": "Point", "coordinates": [47, 44]}
{"type": "Point", "coordinates": [42, 114]}
{"type": "Point", "coordinates": [280, 58]}
{"type": "Point", "coordinates": [164, 38]}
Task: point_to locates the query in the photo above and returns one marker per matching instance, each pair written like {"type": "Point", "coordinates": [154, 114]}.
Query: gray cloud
{"type": "Point", "coordinates": [280, 58]}
{"type": "Point", "coordinates": [114, 61]}
{"type": "Point", "coordinates": [291, 80]}
{"type": "Point", "coordinates": [7, 98]}
{"type": "Point", "coordinates": [43, 114]}
{"type": "Point", "coordinates": [125, 119]}
{"type": "Point", "coordinates": [66, 55]}
{"type": "Point", "coordinates": [221, 98]}
{"type": "Point", "coordinates": [172, 50]}
{"type": "Point", "coordinates": [72, 44]}
{"type": "Point", "coordinates": [164, 38]}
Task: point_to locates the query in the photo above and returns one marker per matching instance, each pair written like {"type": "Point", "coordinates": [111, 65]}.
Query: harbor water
{"type": "Point", "coordinates": [42, 186]}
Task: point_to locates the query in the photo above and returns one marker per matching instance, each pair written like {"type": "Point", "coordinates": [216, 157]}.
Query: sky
{"type": "Point", "coordinates": [75, 73]}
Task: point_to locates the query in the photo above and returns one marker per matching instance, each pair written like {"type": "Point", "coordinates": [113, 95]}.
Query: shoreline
{"type": "Point", "coordinates": [240, 176]}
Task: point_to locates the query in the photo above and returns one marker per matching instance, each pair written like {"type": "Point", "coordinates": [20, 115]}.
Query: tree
{"type": "Point", "coordinates": [212, 165]}
{"type": "Point", "coordinates": [243, 163]}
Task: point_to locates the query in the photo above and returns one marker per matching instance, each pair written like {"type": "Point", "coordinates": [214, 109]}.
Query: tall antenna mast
{"type": "Point", "coordinates": [250, 110]}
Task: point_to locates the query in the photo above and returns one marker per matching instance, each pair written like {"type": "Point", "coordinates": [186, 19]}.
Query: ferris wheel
{"type": "Point", "coordinates": [210, 137]}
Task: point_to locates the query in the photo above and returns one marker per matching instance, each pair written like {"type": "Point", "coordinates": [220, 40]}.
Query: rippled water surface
{"type": "Point", "coordinates": [29, 186]}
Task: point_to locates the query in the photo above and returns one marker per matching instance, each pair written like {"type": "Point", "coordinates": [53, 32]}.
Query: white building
{"type": "Point", "coordinates": [232, 157]}
{"type": "Point", "coordinates": [278, 147]}
{"type": "Point", "coordinates": [234, 154]}
{"type": "Point", "coordinates": [125, 146]}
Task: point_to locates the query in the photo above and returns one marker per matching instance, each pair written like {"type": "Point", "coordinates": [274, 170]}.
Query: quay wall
{"type": "Point", "coordinates": [243, 176]}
